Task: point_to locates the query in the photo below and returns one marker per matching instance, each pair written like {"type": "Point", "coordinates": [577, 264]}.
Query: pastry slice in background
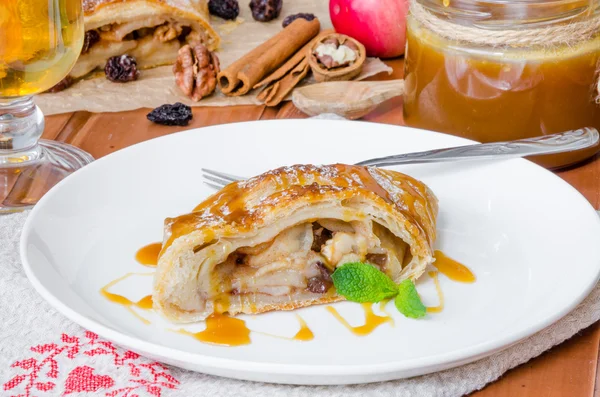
{"type": "Point", "coordinates": [151, 31]}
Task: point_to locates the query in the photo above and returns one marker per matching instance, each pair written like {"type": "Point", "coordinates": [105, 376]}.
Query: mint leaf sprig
{"type": "Point", "coordinates": [361, 282]}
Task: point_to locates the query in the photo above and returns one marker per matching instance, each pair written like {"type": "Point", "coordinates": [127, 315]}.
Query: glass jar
{"type": "Point", "coordinates": [496, 70]}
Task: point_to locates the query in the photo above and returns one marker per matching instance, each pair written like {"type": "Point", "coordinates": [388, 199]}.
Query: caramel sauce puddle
{"type": "Point", "coordinates": [148, 254]}
{"type": "Point", "coordinates": [452, 269]}
{"type": "Point", "coordinates": [304, 334]}
{"type": "Point", "coordinates": [222, 330]}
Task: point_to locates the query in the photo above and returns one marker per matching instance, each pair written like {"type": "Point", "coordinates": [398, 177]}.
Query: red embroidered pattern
{"type": "Point", "coordinates": [84, 379]}
{"type": "Point", "coordinates": [39, 374]}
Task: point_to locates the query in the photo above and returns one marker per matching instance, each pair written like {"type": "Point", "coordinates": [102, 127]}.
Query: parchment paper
{"type": "Point", "coordinates": [157, 86]}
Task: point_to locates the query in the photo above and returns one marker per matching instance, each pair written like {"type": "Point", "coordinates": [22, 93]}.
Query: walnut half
{"type": "Point", "coordinates": [196, 71]}
{"type": "Point", "coordinates": [167, 32]}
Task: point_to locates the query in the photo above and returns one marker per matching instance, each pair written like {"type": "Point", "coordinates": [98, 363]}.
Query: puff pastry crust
{"type": "Point", "coordinates": [257, 245]}
{"type": "Point", "coordinates": [149, 30]}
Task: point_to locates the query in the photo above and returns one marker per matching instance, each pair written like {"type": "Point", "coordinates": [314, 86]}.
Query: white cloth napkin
{"type": "Point", "coordinates": [44, 354]}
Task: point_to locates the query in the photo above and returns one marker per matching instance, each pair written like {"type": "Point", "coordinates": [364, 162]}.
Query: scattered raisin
{"type": "Point", "coordinates": [176, 114]}
{"type": "Point", "coordinates": [291, 18]}
{"type": "Point", "coordinates": [61, 85]}
{"type": "Point", "coordinates": [121, 69]}
{"type": "Point", "coordinates": [265, 10]}
{"type": "Point", "coordinates": [226, 9]}
{"type": "Point", "coordinates": [91, 37]}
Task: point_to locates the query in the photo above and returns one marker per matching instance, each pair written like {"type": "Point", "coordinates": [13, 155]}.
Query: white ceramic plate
{"type": "Point", "coordinates": [530, 238]}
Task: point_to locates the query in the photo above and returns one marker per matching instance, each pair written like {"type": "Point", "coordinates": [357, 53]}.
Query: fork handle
{"type": "Point", "coordinates": [548, 144]}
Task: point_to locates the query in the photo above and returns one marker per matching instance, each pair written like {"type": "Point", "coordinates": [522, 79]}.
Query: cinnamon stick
{"type": "Point", "coordinates": [243, 74]}
{"type": "Point", "coordinates": [277, 91]}
{"type": "Point", "coordinates": [292, 62]}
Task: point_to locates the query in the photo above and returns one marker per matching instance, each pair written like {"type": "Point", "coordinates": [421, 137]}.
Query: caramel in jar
{"type": "Point", "coordinates": [496, 94]}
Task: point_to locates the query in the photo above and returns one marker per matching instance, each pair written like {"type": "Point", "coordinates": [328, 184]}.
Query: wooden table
{"type": "Point", "coordinates": [567, 370]}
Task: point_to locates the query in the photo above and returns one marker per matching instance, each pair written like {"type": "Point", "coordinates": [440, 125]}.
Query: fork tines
{"type": "Point", "coordinates": [218, 179]}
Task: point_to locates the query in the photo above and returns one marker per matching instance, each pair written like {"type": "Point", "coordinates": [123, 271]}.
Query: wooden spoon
{"type": "Point", "coordinates": [349, 99]}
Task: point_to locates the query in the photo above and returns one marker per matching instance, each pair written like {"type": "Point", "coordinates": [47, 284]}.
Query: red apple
{"type": "Point", "coordinates": [379, 24]}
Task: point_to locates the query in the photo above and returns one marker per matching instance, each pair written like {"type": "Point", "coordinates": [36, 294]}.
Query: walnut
{"type": "Point", "coordinates": [196, 71]}
{"type": "Point", "coordinates": [332, 40]}
{"type": "Point", "coordinates": [332, 54]}
{"type": "Point", "coordinates": [195, 37]}
{"type": "Point", "coordinates": [167, 32]}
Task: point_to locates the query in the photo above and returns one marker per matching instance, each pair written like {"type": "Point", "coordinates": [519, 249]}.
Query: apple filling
{"type": "Point", "coordinates": [301, 258]}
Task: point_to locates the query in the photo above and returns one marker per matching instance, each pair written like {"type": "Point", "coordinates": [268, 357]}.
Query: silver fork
{"type": "Point", "coordinates": [547, 144]}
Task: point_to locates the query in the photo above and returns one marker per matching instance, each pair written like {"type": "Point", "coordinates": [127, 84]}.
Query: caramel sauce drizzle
{"type": "Point", "coordinates": [148, 254]}
{"type": "Point", "coordinates": [229, 204]}
{"type": "Point", "coordinates": [438, 288]}
{"type": "Point", "coordinates": [452, 269]}
{"type": "Point", "coordinates": [382, 308]}
{"type": "Point", "coordinates": [304, 334]}
{"type": "Point", "coordinates": [145, 303]}
{"type": "Point", "coordinates": [222, 330]}
{"type": "Point", "coordinates": [372, 321]}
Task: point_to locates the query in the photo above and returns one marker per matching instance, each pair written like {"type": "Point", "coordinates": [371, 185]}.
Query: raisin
{"type": "Point", "coordinates": [265, 10]}
{"type": "Point", "coordinates": [320, 237]}
{"type": "Point", "coordinates": [176, 114]}
{"type": "Point", "coordinates": [291, 18]}
{"type": "Point", "coordinates": [61, 85]}
{"type": "Point", "coordinates": [318, 285]}
{"type": "Point", "coordinates": [226, 9]}
{"type": "Point", "coordinates": [121, 69]}
{"type": "Point", "coordinates": [91, 37]}
{"type": "Point", "coordinates": [377, 259]}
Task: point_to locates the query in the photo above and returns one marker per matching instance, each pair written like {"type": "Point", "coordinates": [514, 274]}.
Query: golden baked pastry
{"type": "Point", "coordinates": [152, 31]}
{"type": "Point", "coordinates": [271, 242]}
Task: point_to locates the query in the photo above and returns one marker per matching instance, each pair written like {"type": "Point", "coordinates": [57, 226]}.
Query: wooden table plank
{"type": "Point", "coordinates": [567, 370]}
{"type": "Point", "coordinates": [102, 133]}
{"type": "Point", "coordinates": [55, 124]}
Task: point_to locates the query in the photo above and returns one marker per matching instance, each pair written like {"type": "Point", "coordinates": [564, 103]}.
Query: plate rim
{"type": "Point", "coordinates": [423, 365]}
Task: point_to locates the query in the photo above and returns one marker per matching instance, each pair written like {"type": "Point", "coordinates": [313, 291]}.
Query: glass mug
{"type": "Point", "coordinates": [40, 41]}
